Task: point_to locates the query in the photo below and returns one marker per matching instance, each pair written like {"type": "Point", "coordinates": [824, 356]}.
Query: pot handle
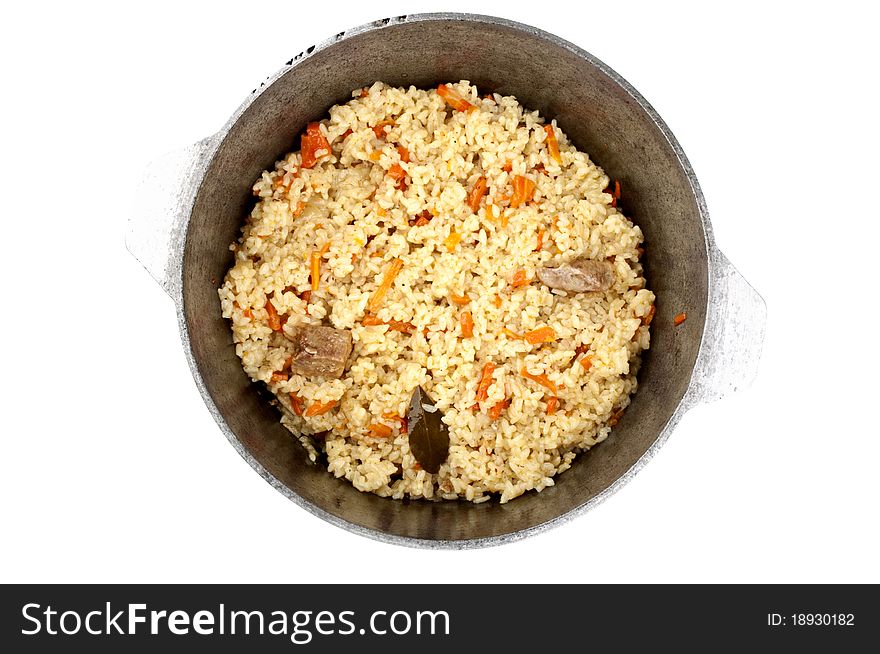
{"type": "Point", "coordinates": [728, 359]}
{"type": "Point", "coordinates": [163, 201]}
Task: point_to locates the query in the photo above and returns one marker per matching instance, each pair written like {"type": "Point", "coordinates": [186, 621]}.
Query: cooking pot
{"type": "Point", "coordinates": [192, 204]}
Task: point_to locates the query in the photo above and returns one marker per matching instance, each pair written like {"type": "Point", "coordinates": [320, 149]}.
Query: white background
{"type": "Point", "coordinates": [111, 468]}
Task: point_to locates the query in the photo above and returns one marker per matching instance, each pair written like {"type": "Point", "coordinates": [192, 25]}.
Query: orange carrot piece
{"type": "Point", "coordinates": [466, 319]}
{"type": "Point", "coordinates": [422, 219]}
{"type": "Point", "coordinates": [497, 301]}
{"type": "Point", "coordinates": [274, 319]}
{"type": "Point", "coordinates": [477, 193]}
{"type": "Point", "coordinates": [553, 144]}
{"type": "Point", "coordinates": [615, 194]}
{"type": "Point", "coordinates": [485, 381]}
{"type": "Point", "coordinates": [680, 318]}
{"type": "Point", "coordinates": [542, 379]}
{"type": "Point", "coordinates": [615, 417]}
{"type": "Point", "coordinates": [365, 92]}
{"type": "Point", "coordinates": [375, 155]}
{"type": "Point", "coordinates": [453, 99]}
{"type": "Point", "coordinates": [507, 167]}
{"type": "Point", "coordinates": [345, 134]}
{"type": "Point", "coordinates": [404, 425]}
{"type": "Point", "coordinates": [649, 316]}
{"type": "Point", "coordinates": [378, 430]}
{"type": "Point", "coordinates": [279, 377]}
{"type": "Point", "coordinates": [452, 241]}
{"type": "Point", "coordinates": [379, 128]}
{"type": "Point", "coordinates": [540, 335]}
{"type": "Point", "coordinates": [371, 321]}
{"type": "Point", "coordinates": [400, 326]}
{"type": "Point", "coordinates": [540, 243]}
{"type": "Point", "coordinates": [398, 174]}
{"type": "Point", "coordinates": [519, 279]}
{"type": "Point", "coordinates": [523, 191]}
{"type": "Point", "coordinates": [511, 334]}
{"type": "Point", "coordinates": [387, 280]}
{"type": "Point", "coordinates": [460, 300]}
{"type": "Point", "coordinates": [316, 269]}
{"type": "Point", "coordinates": [297, 404]}
{"type": "Point", "coordinates": [311, 142]}
{"type": "Point", "coordinates": [587, 362]}
{"type": "Point", "coordinates": [552, 403]}
{"type": "Point", "coordinates": [320, 408]}
{"type": "Point", "coordinates": [404, 153]}
{"type": "Point", "coordinates": [496, 409]}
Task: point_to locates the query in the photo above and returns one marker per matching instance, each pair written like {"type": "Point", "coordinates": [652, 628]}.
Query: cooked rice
{"type": "Point", "coordinates": [349, 203]}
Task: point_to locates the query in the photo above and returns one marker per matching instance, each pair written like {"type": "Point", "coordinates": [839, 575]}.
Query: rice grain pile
{"type": "Point", "coordinates": [395, 193]}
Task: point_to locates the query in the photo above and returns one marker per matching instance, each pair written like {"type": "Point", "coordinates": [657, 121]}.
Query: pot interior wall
{"type": "Point", "coordinates": [599, 116]}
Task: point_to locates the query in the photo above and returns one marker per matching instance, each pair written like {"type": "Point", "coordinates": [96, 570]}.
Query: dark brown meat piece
{"type": "Point", "coordinates": [580, 275]}
{"type": "Point", "coordinates": [320, 351]}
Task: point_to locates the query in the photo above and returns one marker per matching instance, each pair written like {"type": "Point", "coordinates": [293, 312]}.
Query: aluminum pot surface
{"type": "Point", "coordinates": [192, 204]}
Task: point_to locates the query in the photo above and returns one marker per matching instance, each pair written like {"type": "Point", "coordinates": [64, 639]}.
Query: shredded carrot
{"type": "Point", "coordinates": [379, 128]}
{"type": "Point", "coordinates": [466, 319]}
{"type": "Point", "coordinates": [587, 362]}
{"type": "Point", "coordinates": [404, 426]}
{"type": "Point", "coordinates": [511, 334]}
{"type": "Point", "coordinates": [523, 190]}
{"type": "Point", "coordinates": [416, 466]}
{"type": "Point", "coordinates": [297, 404]}
{"type": "Point", "coordinates": [404, 153]}
{"type": "Point", "coordinates": [460, 300]}
{"type": "Point", "coordinates": [365, 92]}
{"type": "Point", "coordinates": [540, 244]}
{"type": "Point", "coordinates": [279, 377]}
{"type": "Point", "coordinates": [553, 144]}
{"type": "Point", "coordinates": [312, 142]}
{"type": "Point", "coordinates": [274, 320]}
{"type": "Point", "coordinates": [378, 430]}
{"type": "Point", "coordinates": [540, 335]}
{"type": "Point", "coordinates": [299, 208]}
{"type": "Point", "coordinates": [371, 321]}
{"type": "Point", "coordinates": [485, 381]}
{"type": "Point", "coordinates": [316, 269]}
{"type": "Point", "coordinates": [345, 134]}
{"type": "Point", "coordinates": [247, 313]}
{"type": "Point", "coordinates": [400, 326]}
{"type": "Point", "coordinates": [507, 167]}
{"type": "Point", "coordinates": [552, 403]}
{"type": "Point", "coordinates": [422, 219]}
{"type": "Point", "coordinates": [398, 174]}
{"type": "Point", "coordinates": [287, 363]}
{"type": "Point", "coordinates": [476, 195]}
{"type": "Point", "coordinates": [320, 408]}
{"type": "Point", "coordinates": [615, 417]}
{"type": "Point", "coordinates": [615, 194]}
{"type": "Point", "coordinates": [504, 218]}
{"type": "Point", "coordinates": [497, 301]}
{"type": "Point", "coordinates": [649, 316]}
{"type": "Point", "coordinates": [542, 379]}
{"type": "Point", "coordinates": [496, 409]}
{"type": "Point", "coordinates": [375, 155]}
{"type": "Point", "coordinates": [519, 279]}
{"type": "Point", "coordinates": [453, 99]}
{"type": "Point", "coordinates": [452, 240]}
{"type": "Point", "coordinates": [680, 318]}
{"type": "Point", "coordinates": [387, 280]}
{"type": "Point", "coordinates": [324, 248]}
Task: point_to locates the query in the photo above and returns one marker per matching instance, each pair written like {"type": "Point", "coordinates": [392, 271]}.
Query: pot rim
{"type": "Point", "coordinates": [176, 284]}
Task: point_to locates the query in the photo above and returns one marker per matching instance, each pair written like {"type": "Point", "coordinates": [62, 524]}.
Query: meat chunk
{"type": "Point", "coordinates": [580, 275]}
{"type": "Point", "coordinates": [320, 351]}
